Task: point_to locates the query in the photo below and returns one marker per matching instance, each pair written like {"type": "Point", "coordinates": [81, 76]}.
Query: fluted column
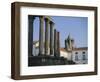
{"type": "Point", "coordinates": [55, 42]}
{"type": "Point", "coordinates": [41, 35]}
{"type": "Point", "coordinates": [30, 34]}
{"type": "Point", "coordinates": [46, 35]}
{"type": "Point", "coordinates": [58, 44]}
{"type": "Point", "coordinates": [51, 37]}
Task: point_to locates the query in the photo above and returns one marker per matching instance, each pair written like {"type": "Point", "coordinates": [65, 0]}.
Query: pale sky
{"type": "Point", "coordinates": [76, 26]}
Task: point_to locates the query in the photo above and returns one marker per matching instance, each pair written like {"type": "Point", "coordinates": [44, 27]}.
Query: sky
{"type": "Point", "coordinates": [77, 27]}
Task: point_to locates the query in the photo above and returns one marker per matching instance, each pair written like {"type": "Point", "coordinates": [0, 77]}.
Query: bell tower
{"type": "Point", "coordinates": [69, 43]}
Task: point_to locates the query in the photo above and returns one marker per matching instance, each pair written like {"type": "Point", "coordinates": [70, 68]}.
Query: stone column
{"type": "Point", "coordinates": [46, 35]}
{"type": "Point", "coordinates": [41, 35]}
{"type": "Point", "coordinates": [55, 42]}
{"type": "Point", "coordinates": [30, 34]}
{"type": "Point", "coordinates": [58, 44]}
{"type": "Point", "coordinates": [51, 37]}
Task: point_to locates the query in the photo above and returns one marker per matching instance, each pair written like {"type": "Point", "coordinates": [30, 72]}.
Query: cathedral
{"type": "Point", "coordinates": [78, 55]}
{"type": "Point", "coordinates": [70, 52]}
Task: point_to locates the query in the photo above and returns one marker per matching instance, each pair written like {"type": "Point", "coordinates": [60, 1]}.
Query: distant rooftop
{"type": "Point", "coordinates": [81, 48]}
{"type": "Point", "coordinates": [75, 49]}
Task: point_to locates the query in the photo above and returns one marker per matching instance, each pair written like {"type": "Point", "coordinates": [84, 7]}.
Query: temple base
{"type": "Point", "coordinates": [48, 60]}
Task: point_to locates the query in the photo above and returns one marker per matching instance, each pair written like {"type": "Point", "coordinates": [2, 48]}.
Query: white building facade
{"type": "Point", "coordinates": [78, 55]}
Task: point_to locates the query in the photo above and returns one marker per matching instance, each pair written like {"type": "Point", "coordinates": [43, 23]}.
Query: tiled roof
{"type": "Point", "coordinates": [80, 48]}
{"type": "Point", "coordinates": [74, 49]}
{"type": "Point", "coordinates": [63, 49]}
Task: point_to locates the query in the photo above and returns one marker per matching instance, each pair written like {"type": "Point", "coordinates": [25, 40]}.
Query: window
{"type": "Point", "coordinates": [76, 57]}
{"type": "Point", "coordinates": [76, 52]}
{"type": "Point", "coordinates": [84, 57]}
{"type": "Point", "coordinates": [83, 52]}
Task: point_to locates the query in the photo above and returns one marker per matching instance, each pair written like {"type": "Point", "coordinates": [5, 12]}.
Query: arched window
{"type": "Point", "coordinates": [76, 52]}
{"type": "Point", "coordinates": [83, 52]}
{"type": "Point", "coordinates": [84, 57]}
{"type": "Point", "coordinates": [76, 57]}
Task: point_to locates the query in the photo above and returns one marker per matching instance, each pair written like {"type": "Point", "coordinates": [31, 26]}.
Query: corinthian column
{"type": "Point", "coordinates": [58, 44]}
{"type": "Point", "coordinates": [41, 35]}
{"type": "Point", "coordinates": [46, 35]}
{"type": "Point", "coordinates": [55, 42]}
{"type": "Point", "coordinates": [51, 37]}
{"type": "Point", "coordinates": [30, 34]}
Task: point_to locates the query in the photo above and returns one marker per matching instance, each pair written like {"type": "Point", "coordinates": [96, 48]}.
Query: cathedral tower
{"type": "Point", "coordinates": [69, 43]}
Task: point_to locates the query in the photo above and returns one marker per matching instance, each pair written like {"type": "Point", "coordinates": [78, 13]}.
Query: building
{"type": "Point", "coordinates": [72, 53]}
{"type": "Point", "coordinates": [78, 55]}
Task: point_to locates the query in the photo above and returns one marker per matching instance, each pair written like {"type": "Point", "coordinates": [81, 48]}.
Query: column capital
{"type": "Point", "coordinates": [31, 18]}
{"type": "Point", "coordinates": [51, 22]}
{"type": "Point", "coordinates": [46, 19]}
{"type": "Point", "coordinates": [41, 17]}
{"type": "Point", "coordinates": [55, 30]}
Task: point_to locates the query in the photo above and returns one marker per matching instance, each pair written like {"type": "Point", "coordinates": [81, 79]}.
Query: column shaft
{"type": "Point", "coordinates": [55, 42]}
{"type": "Point", "coordinates": [51, 37]}
{"type": "Point", "coordinates": [46, 36]}
{"type": "Point", "coordinates": [41, 36]}
{"type": "Point", "coordinates": [30, 34]}
{"type": "Point", "coordinates": [58, 44]}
